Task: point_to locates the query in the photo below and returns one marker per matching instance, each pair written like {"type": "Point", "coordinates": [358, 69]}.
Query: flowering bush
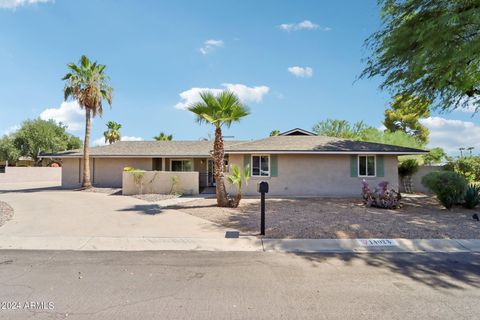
{"type": "Point", "coordinates": [381, 196]}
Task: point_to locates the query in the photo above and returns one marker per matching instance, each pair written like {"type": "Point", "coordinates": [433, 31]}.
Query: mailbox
{"type": "Point", "coordinates": [262, 187]}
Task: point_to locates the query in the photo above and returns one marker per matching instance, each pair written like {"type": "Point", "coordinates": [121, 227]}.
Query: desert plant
{"type": "Point", "coordinates": [448, 186]}
{"type": "Point", "coordinates": [174, 183]}
{"type": "Point", "coordinates": [138, 178]}
{"type": "Point", "coordinates": [472, 196]}
{"type": "Point", "coordinates": [128, 169]}
{"type": "Point", "coordinates": [381, 196]}
{"type": "Point", "coordinates": [406, 170]}
{"type": "Point", "coordinates": [238, 178]}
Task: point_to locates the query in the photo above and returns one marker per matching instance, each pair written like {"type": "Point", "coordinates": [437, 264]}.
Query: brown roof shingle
{"type": "Point", "coordinates": [320, 144]}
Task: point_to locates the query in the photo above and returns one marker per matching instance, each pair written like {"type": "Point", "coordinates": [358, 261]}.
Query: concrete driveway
{"type": "Point", "coordinates": [47, 211]}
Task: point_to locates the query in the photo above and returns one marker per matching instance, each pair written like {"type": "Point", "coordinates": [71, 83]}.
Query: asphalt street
{"type": "Point", "coordinates": [237, 285]}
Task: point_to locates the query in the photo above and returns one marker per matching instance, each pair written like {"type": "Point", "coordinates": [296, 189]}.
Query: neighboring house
{"type": "Point", "coordinates": [295, 163]}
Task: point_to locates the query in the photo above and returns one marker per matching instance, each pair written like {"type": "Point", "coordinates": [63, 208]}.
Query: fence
{"type": "Point", "coordinates": [31, 174]}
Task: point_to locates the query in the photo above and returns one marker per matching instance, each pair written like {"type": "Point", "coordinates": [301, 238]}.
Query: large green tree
{"type": "Point", "coordinates": [37, 137]}
{"type": "Point", "coordinates": [87, 83]}
{"type": "Point", "coordinates": [362, 132]}
{"type": "Point", "coordinates": [8, 151]}
{"type": "Point", "coordinates": [340, 129]}
{"type": "Point", "coordinates": [112, 134]}
{"type": "Point", "coordinates": [219, 110]}
{"type": "Point", "coordinates": [405, 114]}
{"type": "Point", "coordinates": [429, 49]}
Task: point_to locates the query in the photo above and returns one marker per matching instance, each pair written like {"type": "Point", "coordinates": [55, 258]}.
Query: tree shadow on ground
{"type": "Point", "coordinates": [436, 270]}
{"type": "Point", "coordinates": [149, 209]}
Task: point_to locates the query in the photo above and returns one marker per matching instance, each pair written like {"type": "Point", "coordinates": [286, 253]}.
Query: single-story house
{"type": "Point", "coordinates": [295, 163]}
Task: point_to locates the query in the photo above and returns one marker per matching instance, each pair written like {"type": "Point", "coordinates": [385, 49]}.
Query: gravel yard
{"type": "Point", "coordinates": [421, 217]}
{"type": "Point", "coordinates": [6, 212]}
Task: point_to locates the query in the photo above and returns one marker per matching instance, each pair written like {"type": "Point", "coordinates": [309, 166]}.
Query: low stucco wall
{"type": "Point", "coordinates": [104, 172]}
{"type": "Point", "coordinates": [316, 175]}
{"type": "Point", "coordinates": [31, 174]}
{"type": "Point", "coordinates": [417, 185]}
{"type": "Point", "coordinates": [161, 182]}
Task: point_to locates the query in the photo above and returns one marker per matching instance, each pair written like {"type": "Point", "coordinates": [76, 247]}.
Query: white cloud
{"type": "Point", "coordinates": [245, 93]}
{"type": "Point", "coordinates": [12, 4]}
{"type": "Point", "coordinates": [101, 141]}
{"type": "Point", "coordinates": [69, 113]}
{"type": "Point", "coordinates": [210, 46]}
{"type": "Point", "coordinates": [452, 134]}
{"type": "Point", "coordinates": [470, 106]}
{"type": "Point", "coordinates": [301, 72]}
{"type": "Point", "coordinates": [11, 129]}
{"type": "Point", "coordinates": [303, 25]}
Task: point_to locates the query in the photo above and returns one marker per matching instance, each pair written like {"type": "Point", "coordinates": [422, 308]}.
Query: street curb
{"type": "Point", "coordinates": [243, 243]}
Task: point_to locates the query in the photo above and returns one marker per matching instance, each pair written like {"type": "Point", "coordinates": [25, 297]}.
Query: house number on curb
{"type": "Point", "coordinates": [377, 242]}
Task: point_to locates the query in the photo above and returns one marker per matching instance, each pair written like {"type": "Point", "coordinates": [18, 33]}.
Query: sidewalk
{"type": "Point", "coordinates": [240, 244]}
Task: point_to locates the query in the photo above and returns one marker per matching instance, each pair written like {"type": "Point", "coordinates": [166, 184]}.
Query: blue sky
{"type": "Point", "coordinates": [293, 62]}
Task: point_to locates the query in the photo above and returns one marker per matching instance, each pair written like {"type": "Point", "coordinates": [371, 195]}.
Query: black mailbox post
{"type": "Point", "coordinates": [262, 187]}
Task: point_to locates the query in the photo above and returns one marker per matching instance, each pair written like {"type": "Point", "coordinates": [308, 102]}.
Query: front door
{"type": "Point", "coordinates": [210, 175]}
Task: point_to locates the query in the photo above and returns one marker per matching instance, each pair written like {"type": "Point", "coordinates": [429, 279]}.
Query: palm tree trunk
{"type": "Point", "coordinates": [86, 152]}
{"type": "Point", "coordinates": [218, 160]}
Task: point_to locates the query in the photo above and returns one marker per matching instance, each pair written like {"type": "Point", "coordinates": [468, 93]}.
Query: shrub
{"type": "Point", "coordinates": [128, 169]}
{"type": "Point", "coordinates": [469, 167]}
{"type": "Point", "coordinates": [406, 169]}
{"type": "Point", "coordinates": [381, 196]}
{"type": "Point", "coordinates": [448, 186]}
{"type": "Point", "coordinates": [472, 196]}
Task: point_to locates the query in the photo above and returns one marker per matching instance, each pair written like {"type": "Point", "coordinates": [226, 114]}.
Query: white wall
{"type": "Point", "coordinates": [161, 182]}
{"type": "Point", "coordinates": [316, 175]}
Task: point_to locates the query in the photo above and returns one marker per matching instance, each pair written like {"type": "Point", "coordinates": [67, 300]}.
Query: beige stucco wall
{"type": "Point", "coordinates": [316, 175]}
{"type": "Point", "coordinates": [104, 172]}
{"type": "Point", "coordinates": [31, 174]}
{"type": "Point", "coordinates": [417, 185]}
{"type": "Point", "coordinates": [161, 182]}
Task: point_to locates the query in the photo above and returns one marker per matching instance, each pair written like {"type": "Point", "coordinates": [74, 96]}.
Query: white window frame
{"type": "Point", "coordinates": [171, 166]}
{"type": "Point", "coordinates": [366, 167]}
{"type": "Point", "coordinates": [251, 165]}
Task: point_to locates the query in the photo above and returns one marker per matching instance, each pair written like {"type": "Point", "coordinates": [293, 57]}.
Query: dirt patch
{"type": "Point", "coordinates": [6, 212]}
{"type": "Point", "coordinates": [421, 217]}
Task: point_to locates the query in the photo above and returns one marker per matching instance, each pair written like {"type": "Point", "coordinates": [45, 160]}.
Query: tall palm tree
{"type": "Point", "coordinates": [113, 133]}
{"type": "Point", "coordinates": [163, 137]}
{"type": "Point", "coordinates": [219, 110]}
{"type": "Point", "coordinates": [88, 84]}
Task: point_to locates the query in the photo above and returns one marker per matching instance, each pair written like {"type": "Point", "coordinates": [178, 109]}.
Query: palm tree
{"type": "Point", "coordinates": [274, 133]}
{"type": "Point", "coordinates": [219, 110]}
{"type": "Point", "coordinates": [113, 133]}
{"type": "Point", "coordinates": [163, 137]}
{"type": "Point", "coordinates": [239, 178]}
{"type": "Point", "coordinates": [87, 84]}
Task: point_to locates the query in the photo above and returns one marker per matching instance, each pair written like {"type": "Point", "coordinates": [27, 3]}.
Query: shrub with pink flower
{"type": "Point", "coordinates": [381, 196]}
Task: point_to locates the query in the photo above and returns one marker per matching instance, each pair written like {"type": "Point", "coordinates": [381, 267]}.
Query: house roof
{"type": "Point", "coordinates": [297, 132]}
{"type": "Point", "coordinates": [146, 149]}
{"type": "Point", "coordinates": [316, 144]}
